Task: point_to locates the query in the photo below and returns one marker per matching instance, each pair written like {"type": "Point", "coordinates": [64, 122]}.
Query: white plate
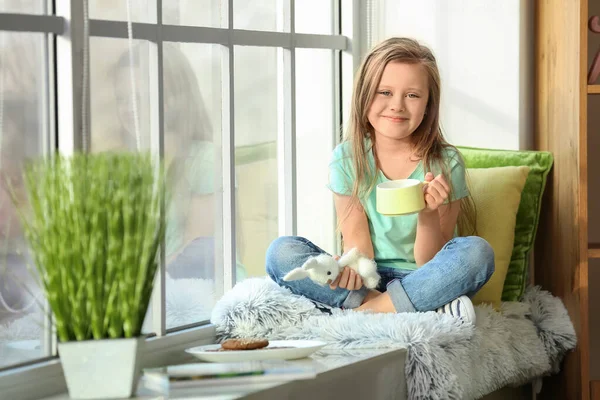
{"type": "Point", "coordinates": [294, 349]}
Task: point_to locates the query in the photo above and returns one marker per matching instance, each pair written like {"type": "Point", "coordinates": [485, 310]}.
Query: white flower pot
{"type": "Point", "coordinates": [101, 369]}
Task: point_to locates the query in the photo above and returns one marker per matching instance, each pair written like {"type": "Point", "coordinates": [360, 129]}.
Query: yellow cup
{"type": "Point", "coordinates": [400, 197]}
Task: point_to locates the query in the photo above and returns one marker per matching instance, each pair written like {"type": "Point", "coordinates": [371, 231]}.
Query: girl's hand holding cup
{"type": "Point", "coordinates": [436, 191]}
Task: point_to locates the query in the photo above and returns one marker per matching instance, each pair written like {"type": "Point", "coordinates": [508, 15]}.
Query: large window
{"type": "Point", "coordinates": [243, 100]}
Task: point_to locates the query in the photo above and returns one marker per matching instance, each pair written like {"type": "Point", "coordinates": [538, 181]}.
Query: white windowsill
{"type": "Point", "coordinates": [47, 379]}
{"type": "Point", "coordinates": [349, 374]}
{"type": "Point", "coordinates": [344, 374]}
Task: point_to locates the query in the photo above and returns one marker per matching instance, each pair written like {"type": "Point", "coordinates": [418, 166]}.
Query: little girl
{"type": "Point", "coordinates": [425, 260]}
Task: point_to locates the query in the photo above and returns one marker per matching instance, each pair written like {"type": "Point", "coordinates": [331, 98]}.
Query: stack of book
{"type": "Point", "coordinates": [203, 375]}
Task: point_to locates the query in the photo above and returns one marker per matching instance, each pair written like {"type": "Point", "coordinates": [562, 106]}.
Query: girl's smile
{"type": "Point", "coordinates": [396, 119]}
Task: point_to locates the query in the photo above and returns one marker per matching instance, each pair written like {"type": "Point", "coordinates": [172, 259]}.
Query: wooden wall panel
{"type": "Point", "coordinates": [560, 106]}
{"type": "Point", "coordinates": [595, 390]}
{"type": "Point", "coordinates": [594, 319]}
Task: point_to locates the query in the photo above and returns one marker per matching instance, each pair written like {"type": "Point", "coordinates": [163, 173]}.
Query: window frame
{"type": "Point", "coordinates": [64, 29]}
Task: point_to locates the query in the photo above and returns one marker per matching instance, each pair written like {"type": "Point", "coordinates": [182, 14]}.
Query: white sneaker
{"type": "Point", "coordinates": [461, 307]}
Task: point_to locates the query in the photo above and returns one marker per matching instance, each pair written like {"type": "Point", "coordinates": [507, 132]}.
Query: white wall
{"type": "Point", "coordinates": [485, 54]}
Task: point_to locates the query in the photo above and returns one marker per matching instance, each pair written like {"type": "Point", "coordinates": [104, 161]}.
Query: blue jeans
{"type": "Point", "coordinates": [461, 267]}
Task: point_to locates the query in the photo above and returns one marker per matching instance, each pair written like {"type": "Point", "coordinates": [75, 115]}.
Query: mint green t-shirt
{"type": "Point", "coordinates": [393, 238]}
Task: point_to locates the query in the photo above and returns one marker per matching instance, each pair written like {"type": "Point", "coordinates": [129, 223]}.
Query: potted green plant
{"type": "Point", "coordinates": [94, 226]}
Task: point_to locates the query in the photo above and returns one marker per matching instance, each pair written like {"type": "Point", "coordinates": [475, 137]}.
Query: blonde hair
{"type": "Point", "coordinates": [428, 141]}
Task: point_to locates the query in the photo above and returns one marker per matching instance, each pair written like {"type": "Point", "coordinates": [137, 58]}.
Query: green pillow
{"type": "Point", "coordinates": [539, 163]}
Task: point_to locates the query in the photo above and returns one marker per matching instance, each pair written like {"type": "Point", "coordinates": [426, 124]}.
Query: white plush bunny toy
{"type": "Point", "coordinates": [323, 269]}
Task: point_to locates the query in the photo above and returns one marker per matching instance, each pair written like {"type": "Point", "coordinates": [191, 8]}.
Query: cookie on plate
{"type": "Point", "coordinates": [244, 344]}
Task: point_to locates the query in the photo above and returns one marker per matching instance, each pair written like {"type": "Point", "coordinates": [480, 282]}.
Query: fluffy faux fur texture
{"type": "Point", "coordinates": [446, 358]}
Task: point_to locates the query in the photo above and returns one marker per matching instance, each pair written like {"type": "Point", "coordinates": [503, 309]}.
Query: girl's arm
{"type": "Point", "coordinates": [354, 226]}
{"type": "Point", "coordinates": [434, 229]}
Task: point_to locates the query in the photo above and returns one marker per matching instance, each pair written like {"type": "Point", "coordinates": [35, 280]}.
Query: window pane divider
{"type": "Point", "coordinates": [228, 156]}
{"type": "Point", "coordinates": [57, 25]}
{"type": "Point", "coordinates": [350, 27]}
{"type": "Point", "coordinates": [49, 144]}
{"type": "Point", "coordinates": [338, 121]}
{"type": "Point", "coordinates": [224, 36]}
{"type": "Point", "coordinates": [69, 71]}
{"type": "Point", "coordinates": [157, 145]}
{"type": "Point", "coordinates": [286, 113]}
{"type": "Point", "coordinates": [33, 23]}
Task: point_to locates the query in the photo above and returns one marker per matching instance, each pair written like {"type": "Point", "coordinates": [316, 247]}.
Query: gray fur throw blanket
{"type": "Point", "coordinates": [446, 359]}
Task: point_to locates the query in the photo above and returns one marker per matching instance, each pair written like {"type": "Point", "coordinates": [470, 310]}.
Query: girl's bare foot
{"type": "Point", "coordinates": [377, 302]}
{"type": "Point", "coordinates": [371, 295]}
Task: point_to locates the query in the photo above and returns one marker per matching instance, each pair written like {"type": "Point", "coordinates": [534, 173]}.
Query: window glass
{"type": "Point", "coordinates": [192, 128]}
{"type": "Point", "coordinates": [22, 126]}
{"type": "Point", "coordinates": [256, 154]}
{"type": "Point", "coordinates": [314, 124]}
{"type": "Point", "coordinates": [112, 111]}
{"type": "Point", "coordinates": [141, 10]}
{"type": "Point", "coordinates": [257, 15]}
{"type": "Point", "coordinates": [195, 12]}
{"type": "Point", "coordinates": [314, 16]}
{"type": "Point", "coordinates": [23, 6]}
